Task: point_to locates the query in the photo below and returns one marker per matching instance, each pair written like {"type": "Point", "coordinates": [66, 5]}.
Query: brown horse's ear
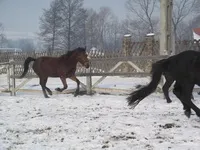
{"type": "Point", "coordinates": [85, 48]}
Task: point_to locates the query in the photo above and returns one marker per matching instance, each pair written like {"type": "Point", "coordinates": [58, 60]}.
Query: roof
{"type": "Point", "coordinates": [197, 31]}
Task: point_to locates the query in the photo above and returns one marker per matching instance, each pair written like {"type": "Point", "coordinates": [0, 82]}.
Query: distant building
{"type": "Point", "coordinates": [196, 33]}
{"type": "Point", "coordinates": [6, 50]}
{"type": "Point", "coordinates": [95, 52]}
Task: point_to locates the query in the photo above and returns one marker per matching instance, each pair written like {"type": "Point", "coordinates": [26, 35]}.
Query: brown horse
{"type": "Point", "coordinates": [63, 67]}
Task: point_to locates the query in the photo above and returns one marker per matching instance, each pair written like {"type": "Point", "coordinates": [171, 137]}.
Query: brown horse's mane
{"type": "Point", "coordinates": [69, 53]}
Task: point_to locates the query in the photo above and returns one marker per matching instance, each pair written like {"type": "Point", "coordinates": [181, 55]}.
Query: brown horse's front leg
{"type": "Point", "coordinates": [63, 79]}
{"type": "Point", "coordinates": [78, 83]}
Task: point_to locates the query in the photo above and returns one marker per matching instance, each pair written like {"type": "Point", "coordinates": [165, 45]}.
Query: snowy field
{"type": "Point", "coordinates": [64, 122]}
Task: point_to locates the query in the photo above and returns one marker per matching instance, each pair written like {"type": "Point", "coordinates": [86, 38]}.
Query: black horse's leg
{"type": "Point", "coordinates": [78, 83]}
{"type": "Point", "coordinates": [63, 79]}
{"type": "Point", "coordinates": [186, 93]}
{"type": "Point", "coordinates": [48, 90]}
{"type": "Point", "coordinates": [43, 85]}
{"type": "Point", "coordinates": [165, 88]}
{"type": "Point", "coordinates": [177, 91]}
{"type": "Point", "coordinates": [192, 97]}
{"type": "Point", "coordinates": [188, 88]}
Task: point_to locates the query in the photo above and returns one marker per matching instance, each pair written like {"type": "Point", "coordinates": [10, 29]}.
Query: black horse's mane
{"type": "Point", "coordinates": [69, 53]}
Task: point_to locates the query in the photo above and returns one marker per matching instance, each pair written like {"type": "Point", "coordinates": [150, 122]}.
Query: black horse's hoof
{"type": "Point", "coordinates": [198, 114]}
{"type": "Point", "coordinates": [46, 96]}
{"type": "Point", "coordinates": [58, 89]}
{"type": "Point", "coordinates": [169, 101]}
{"type": "Point", "coordinates": [188, 113]}
{"type": "Point", "coordinates": [138, 86]}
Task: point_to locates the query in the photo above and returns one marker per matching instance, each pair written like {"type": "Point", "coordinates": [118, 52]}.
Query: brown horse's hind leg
{"type": "Point", "coordinates": [48, 90]}
{"type": "Point", "coordinates": [43, 85]}
{"type": "Point", "coordinates": [63, 79]}
{"type": "Point", "coordinates": [78, 83]}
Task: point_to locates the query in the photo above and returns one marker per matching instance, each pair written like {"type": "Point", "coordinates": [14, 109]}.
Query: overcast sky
{"type": "Point", "coordinates": [23, 15]}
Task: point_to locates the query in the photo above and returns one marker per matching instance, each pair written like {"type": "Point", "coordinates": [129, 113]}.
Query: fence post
{"type": "Point", "coordinates": [8, 78]}
{"type": "Point", "coordinates": [89, 81]}
{"type": "Point", "coordinates": [13, 92]}
{"type": "Point", "coordinates": [150, 42]}
{"type": "Point", "coordinates": [126, 50]}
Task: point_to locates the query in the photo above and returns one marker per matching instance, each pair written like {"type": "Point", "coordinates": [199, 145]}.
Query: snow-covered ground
{"type": "Point", "coordinates": [64, 122]}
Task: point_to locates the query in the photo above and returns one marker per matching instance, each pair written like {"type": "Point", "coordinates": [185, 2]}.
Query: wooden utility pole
{"type": "Point", "coordinates": [166, 32]}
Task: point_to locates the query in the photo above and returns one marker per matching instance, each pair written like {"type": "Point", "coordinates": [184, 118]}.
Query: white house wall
{"type": "Point", "coordinates": [196, 36]}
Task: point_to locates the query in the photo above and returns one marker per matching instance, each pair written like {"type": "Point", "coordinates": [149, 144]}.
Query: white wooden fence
{"type": "Point", "coordinates": [89, 87]}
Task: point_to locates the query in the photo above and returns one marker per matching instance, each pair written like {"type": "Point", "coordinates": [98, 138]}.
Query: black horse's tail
{"type": "Point", "coordinates": [157, 70]}
{"type": "Point", "coordinates": [26, 65]}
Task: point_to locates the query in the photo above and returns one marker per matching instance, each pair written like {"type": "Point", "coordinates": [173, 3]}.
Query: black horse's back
{"type": "Point", "coordinates": [26, 66]}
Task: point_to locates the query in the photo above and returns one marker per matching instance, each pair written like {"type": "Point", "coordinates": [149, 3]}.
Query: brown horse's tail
{"type": "Point", "coordinates": [136, 96]}
{"type": "Point", "coordinates": [26, 65]}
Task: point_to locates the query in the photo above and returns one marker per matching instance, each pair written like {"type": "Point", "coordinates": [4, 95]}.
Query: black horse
{"type": "Point", "coordinates": [184, 69]}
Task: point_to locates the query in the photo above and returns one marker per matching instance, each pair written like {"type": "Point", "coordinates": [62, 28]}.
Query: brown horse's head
{"type": "Point", "coordinates": [82, 57]}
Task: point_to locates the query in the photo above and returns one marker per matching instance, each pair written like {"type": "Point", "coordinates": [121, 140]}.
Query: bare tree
{"type": "Point", "coordinates": [196, 7]}
{"type": "Point", "coordinates": [181, 10]}
{"type": "Point", "coordinates": [73, 21]}
{"type": "Point", "coordinates": [78, 37]}
{"type": "Point", "coordinates": [103, 18]}
{"type": "Point", "coordinates": [50, 26]}
{"type": "Point", "coordinates": [67, 25]}
{"type": "Point", "coordinates": [26, 45]}
{"type": "Point", "coordinates": [184, 31]}
{"type": "Point", "coordinates": [144, 11]}
{"type": "Point", "coordinates": [103, 29]}
{"type": "Point", "coordinates": [195, 22]}
{"type": "Point", "coordinates": [91, 29]}
{"type": "Point", "coordinates": [113, 34]}
{"type": "Point", "coordinates": [137, 28]}
{"type": "Point", "coordinates": [2, 36]}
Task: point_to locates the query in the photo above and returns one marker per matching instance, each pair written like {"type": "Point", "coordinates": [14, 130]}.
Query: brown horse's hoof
{"type": "Point", "coordinates": [76, 94]}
